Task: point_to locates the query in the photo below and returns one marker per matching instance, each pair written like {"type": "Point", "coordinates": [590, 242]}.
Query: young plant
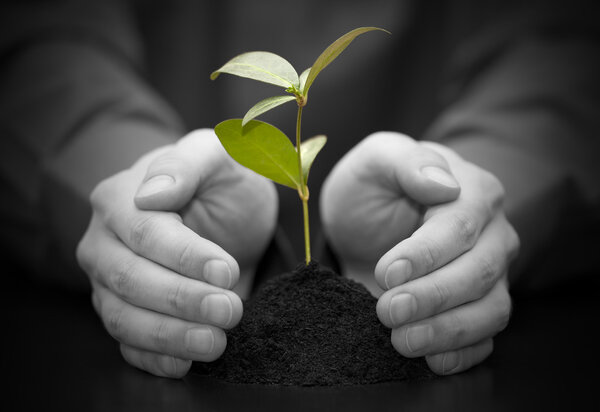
{"type": "Point", "coordinates": [262, 147]}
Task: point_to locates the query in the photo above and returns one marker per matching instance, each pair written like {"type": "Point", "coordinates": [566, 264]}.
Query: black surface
{"type": "Point", "coordinates": [56, 356]}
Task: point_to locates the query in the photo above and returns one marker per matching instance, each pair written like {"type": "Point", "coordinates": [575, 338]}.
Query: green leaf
{"type": "Point", "coordinates": [308, 151]}
{"type": "Point", "coordinates": [332, 52]}
{"type": "Point", "coordinates": [264, 106]}
{"type": "Point", "coordinates": [262, 66]}
{"type": "Point", "coordinates": [302, 79]}
{"type": "Point", "coordinates": [262, 148]}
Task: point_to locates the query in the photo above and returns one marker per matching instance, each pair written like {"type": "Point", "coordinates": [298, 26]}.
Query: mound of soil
{"type": "Point", "coordinates": [311, 327]}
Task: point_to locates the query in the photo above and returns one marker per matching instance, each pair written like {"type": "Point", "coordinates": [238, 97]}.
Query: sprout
{"type": "Point", "coordinates": [262, 147]}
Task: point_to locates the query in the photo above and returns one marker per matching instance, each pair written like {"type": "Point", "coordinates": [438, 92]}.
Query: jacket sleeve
{"type": "Point", "coordinates": [525, 107]}
{"type": "Point", "coordinates": [74, 110]}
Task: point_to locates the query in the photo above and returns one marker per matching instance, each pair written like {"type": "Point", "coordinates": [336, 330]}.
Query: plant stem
{"type": "Point", "coordinates": [306, 231]}
{"type": "Point", "coordinates": [303, 190]}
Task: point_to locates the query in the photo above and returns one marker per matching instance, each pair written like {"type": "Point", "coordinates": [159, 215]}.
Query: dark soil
{"type": "Point", "coordinates": [311, 327]}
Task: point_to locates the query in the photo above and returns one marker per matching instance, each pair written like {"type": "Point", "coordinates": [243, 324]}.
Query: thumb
{"type": "Point", "coordinates": [173, 177]}
{"type": "Point", "coordinates": [407, 166]}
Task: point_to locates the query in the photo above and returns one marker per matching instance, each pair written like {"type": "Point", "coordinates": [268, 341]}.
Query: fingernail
{"type": "Point", "coordinates": [217, 309]}
{"type": "Point", "coordinates": [439, 176]}
{"type": "Point", "coordinates": [397, 273]}
{"type": "Point", "coordinates": [155, 185]}
{"type": "Point", "coordinates": [217, 272]}
{"type": "Point", "coordinates": [419, 337]}
{"type": "Point", "coordinates": [450, 362]}
{"type": "Point", "coordinates": [200, 341]}
{"type": "Point", "coordinates": [168, 365]}
{"type": "Point", "coordinates": [402, 307]}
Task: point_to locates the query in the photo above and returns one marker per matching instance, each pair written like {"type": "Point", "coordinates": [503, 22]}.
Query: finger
{"type": "Point", "coordinates": [155, 332]}
{"type": "Point", "coordinates": [173, 177]}
{"type": "Point", "coordinates": [381, 183]}
{"type": "Point", "coordinates": [456, 328]}
{"type": "Point", "coordinates": [448, 230]}
{"type": "Point", "coordinates": [404, 166]}
{"type": "Point", "coordinates": [217, 198]}
{"type": "Point", "coordinates": [155, 363]}
{"type": "Point", "coordinates": [146, 284]}
{"type": "Point", "coordinates": [467, 278]}
{"type": "Point", "coordinates": [161, 236]}
{"type": "Point", "coordinates": [459, 360]}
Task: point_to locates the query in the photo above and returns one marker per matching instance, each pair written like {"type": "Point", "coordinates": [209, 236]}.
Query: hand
{"type": "Point", "coordinates": [446, 244]}
{"type": "Point", "coordinates": [161, 288]}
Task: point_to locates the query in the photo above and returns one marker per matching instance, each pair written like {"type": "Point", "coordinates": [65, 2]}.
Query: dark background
{"type": "Point", "coordinates": [55, 354]}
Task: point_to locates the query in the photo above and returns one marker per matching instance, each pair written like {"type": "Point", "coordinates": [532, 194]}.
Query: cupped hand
{"type": "Point", "coordinates": [432, 226]}
{"type": "Point", "coordinates": [166, 244]}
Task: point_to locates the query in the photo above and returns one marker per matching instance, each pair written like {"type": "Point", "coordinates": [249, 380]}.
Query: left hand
{"type": "Point", "coordinates": [432, 226]}
{"type": "Point", "coordinates": [163, 262]}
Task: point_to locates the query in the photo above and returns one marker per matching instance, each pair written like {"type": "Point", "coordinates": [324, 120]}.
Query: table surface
{"type": "Point", "coordinates": [56, 356]}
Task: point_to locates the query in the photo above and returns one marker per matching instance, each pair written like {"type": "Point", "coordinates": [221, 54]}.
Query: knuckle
{"type": "Point", "coordinates": [428, 254]}
{"type": "Point", "coordinates": [456, 332]}
{"type": "Point", "coordinates": [113, 321]}
{"type": "Point", "coordinates": [186, 258]}
{"type": "Point", "coordinates": [442, 297]}
{"type": "Point", "coordinates": [426, 156]}
{"type": "Point", "coordinates": [494, 188]}
{"type": "Point", "coordinates": [466, 228]}
{"type": "Point", "coordinates": [438, 148]}
{"type": "Point", "coordinates": [142, 230]}
{"type": "Point", "coordinates": [376, 143]}
{"type": "Point", "coordinates": [488, 274]}
{"type": "Point", "coordinates": [122, 278]}
{"type": "Point", "coordinates": [161, 336]}
{"type": "Point", "coordinates": [177, 297]}
{"type": "Point", "coordinates": [104, 191]}
{"type": "Point", "coordinates": [98, 194]}
{"type": "Point", "coordinates": [169, 160]}
{"type": "Point", "coordinates": [376, 139]}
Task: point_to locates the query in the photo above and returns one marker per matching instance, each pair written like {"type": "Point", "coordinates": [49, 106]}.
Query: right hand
{"type": "Point", "coordinates": [432, 226]}
{"type": "Point", "coordinates": [162, 289]}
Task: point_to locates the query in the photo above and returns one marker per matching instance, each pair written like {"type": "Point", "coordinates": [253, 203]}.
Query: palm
{"type": "Point", "coordinates": [236, 209]}
{"type": "Point", "coordinates": [365, 217]}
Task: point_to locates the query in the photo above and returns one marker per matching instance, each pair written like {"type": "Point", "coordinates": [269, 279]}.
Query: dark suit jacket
{"type": "Point", "coordinates": [87, 87]}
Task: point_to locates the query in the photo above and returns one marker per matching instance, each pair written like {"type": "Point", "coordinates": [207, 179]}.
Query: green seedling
{"type": "Point", "coordinates": [262, 147]}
